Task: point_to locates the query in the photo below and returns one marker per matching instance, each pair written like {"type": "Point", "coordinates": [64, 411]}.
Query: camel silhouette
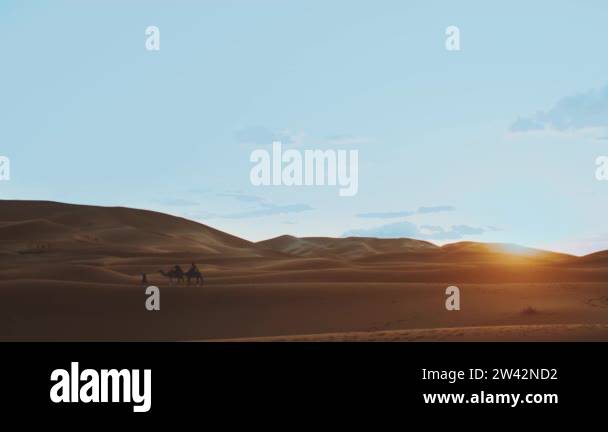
{"type": "Point", "coordinates": [173, 274]}
{"type": "Point", "coordinates": [194, 273]}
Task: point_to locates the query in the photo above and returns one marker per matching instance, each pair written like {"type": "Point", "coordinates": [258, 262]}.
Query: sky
{"type": "Point", "coordinates": [496, 142]}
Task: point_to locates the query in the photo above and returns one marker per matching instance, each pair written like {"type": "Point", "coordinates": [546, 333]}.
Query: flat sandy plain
{"type": "Point", "coordinates": [72, 272]}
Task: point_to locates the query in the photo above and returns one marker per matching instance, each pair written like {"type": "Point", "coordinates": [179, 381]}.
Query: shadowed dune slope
{"type": "Point", "coordinates": [32, 226]}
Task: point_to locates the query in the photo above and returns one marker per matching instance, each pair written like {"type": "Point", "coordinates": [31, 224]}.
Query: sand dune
{"type": "Point", "coordinates": [514, 333]}
{"type": "Point", "coordinates": [346, 248]}
{"type": "Point", "coordinates": [78, 227]}
{"type": "Point", "coordinates": [72, 272]}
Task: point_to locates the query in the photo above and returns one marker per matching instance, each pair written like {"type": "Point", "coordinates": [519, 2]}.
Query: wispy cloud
{"type": "Point", "coordinates": [269, 210]}
{"type": "Point", "coordinates": [408, 229]}
{"type": "Point", "coordinates": [493, 228]}
{"type": "Point", "coordinates": [454, 232]}
{"type": "Point", "coordinates": [242, 197]}
{"type": "Point", "coordinates": [436, 209]}
{"type": "Point", "coordinates": [261, 208]}
{"type": "Point", "coordinates": [397, 229]}
{"type": "Point", "coordinates": [385, 215]}
{"type": "Point", "coordinates": [583, 111]}
{"type": "Point", "coordinates": [399, 214]}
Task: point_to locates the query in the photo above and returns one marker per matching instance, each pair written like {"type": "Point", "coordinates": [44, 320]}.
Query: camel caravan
{"type": "Point", "coordinates": [176, 274]}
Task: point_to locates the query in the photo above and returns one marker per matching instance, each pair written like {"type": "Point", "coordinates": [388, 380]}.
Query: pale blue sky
{"type": "Point", "coordinates": [505, 132]}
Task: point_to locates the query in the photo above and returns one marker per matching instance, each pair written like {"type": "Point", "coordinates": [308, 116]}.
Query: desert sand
{"type": "Point", "coordinates": [73, 272]}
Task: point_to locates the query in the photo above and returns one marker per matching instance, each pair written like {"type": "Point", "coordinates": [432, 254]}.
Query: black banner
{"type": "Point", "coordinates": [306, 380]}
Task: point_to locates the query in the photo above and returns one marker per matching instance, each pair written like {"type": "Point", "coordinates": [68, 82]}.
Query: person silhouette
{"type": "Point", "coordinates": [193, 272]}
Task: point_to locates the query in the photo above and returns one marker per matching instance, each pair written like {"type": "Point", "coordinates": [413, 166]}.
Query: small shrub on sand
{"type": "Point", "coordinates": [529, 311]}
